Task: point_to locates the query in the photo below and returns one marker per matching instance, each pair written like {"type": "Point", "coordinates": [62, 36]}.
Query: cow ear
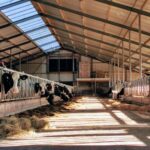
{"type": "Point", "coordinates": [23, 77]}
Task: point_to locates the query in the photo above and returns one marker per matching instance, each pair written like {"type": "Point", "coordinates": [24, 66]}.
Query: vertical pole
{"type": "Point", "coordinates": [73, 68]}
{"type": "Point", "coordinates": [109, 74]}
{"type": "Point", "coordinates": [114, 72]}
{"type": "Point", "coordinates": [28, 64]}
{"type": "Point", "coordinates": [91, 72]}
{"type": "Point", "coordinates": [130, 66]}
{"type": "Point", "coordinates": [140, 48]}
{"type": "Point", "coordinates": [20, 62]}
{"type": "Point", "coordinates": [118, 66]}
{"type": "Point", "coordinates": [11, 58]}
{"type": "Point", "coordinates": [123, 71]}
{"type": "Point", "coordinates": [59, 67]}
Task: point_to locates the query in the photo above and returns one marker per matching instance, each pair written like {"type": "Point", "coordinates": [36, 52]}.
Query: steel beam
{"type": "Point", "coordinates": [96, 40]}
{"type": "Point", "coordinates": [70, 23]}
{"type": "Point", "coordinates": [24, 59]}
{"type": "Point", "coordinates": [19, 21]}
{"type": "Point", "coordinates": [84, 54]}
{"type": "Point", "coordinates": [90, 16]}
{"type": "Point", "coordinates": [93, 30]}
{"type": "Point", "coordinates": [125, 7]}
{"type": "Point", "coordinates": [32, 57]}
{"type": "Point", "coordinates": [25, 34]}
{"type": "Point", "coordinates": [104, 49]}
{"type": "Point", "coordinates": [27, 42]}
{"type": "Point", "coordinates": [18, 53]}
{"type": "Point", "coordinates": [22, 33]}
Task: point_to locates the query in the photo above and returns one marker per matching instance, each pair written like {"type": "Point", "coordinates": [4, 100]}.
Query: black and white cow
{"type": "Point", "coordinates": [45, 90]}
{"type": "Point", "coordinates": [59, 91]}
{"type": "Point", "coordinates": [69, 93]}
{"type": "Point", "coordinates": [52, 91]}
{"type": "Point", "coordinates": [11, 81]}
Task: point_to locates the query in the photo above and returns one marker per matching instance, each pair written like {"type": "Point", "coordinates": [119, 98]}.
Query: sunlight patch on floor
{"type": "Point", "coordinates": [89, 123]}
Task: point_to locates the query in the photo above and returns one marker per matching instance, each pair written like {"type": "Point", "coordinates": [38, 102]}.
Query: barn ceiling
{"type": "Point", "coordinates": [102, 29]}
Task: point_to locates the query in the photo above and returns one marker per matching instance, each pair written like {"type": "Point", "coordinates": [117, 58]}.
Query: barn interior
{"type": "Point", "coordinates": [97, 51]}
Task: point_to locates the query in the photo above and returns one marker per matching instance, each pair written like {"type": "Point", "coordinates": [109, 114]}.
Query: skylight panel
{"type": "Point", "coordinates": [17, 7]}
{"type": "Point", "coordinates": [44, 40]}
{"type": "Point", "coordinates": [25, 16]}
{"type": "Point", "coordinates": [51, 46]}
{"type": "Point", "coordinates": [6, 2]}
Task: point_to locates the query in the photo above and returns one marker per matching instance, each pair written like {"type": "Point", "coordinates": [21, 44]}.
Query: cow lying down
{"type": "Point", "coordinates": [53, 92]}
{"type": "Point", "coordinates": [11, 82]}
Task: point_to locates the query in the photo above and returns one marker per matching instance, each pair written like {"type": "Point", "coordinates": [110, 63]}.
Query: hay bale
{"type": "Point", "coordinates": [25, 124]}
{"type": "Point", "coordinates": [9, 130]}
{"type": "Point", "coordinates": [12, 120]}
{"type": "Point", "coordinates": [38, 123]}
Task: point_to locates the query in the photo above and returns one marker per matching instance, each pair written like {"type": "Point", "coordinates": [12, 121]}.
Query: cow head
{"type": "Point", "coordinates": [49, 87]}
{"type": "Point", "coordinates": [11, 81]}
{"type": "Point", "coordinates": [42, 88]}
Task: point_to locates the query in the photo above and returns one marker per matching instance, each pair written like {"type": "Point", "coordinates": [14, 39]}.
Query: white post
{"type": "Point", "coordinates": [130, 66]}
{"type": "Point", "coordinates": [140, 48]}
{"type": "Point", "coordinates": [118, 67]}
{"type": "Point", "coordinates": [123, 71]}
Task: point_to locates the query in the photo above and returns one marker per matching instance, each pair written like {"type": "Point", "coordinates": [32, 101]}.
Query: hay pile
{"type": "Point", "coordinates": [35, 119]}
{"type": "Point", "coordinates": [13, 125]}
{"type": "Point", "coordinates": [114, 104]}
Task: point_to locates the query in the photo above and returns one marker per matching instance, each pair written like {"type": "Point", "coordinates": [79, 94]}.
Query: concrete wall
{"type": "Point", "coordinates": [13, 107]}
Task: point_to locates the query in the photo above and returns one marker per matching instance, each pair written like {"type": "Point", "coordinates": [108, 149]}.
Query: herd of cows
{"type": "Point", "coordinates": [11, 83]}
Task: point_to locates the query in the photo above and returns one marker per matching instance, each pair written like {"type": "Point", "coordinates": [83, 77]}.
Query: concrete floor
{"type": "Point", "coordinates": [89, 125]}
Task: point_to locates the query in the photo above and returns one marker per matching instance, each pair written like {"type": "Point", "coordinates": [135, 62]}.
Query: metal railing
{"type": "Point", "coordinates": [140, 87]}
{"type": "Point", "coordinates": [26, 87]}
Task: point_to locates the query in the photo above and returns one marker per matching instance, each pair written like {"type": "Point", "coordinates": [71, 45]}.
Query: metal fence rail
{"type": "Point", "coordinates": [139, 87]}
{"type": "Point", "coordinates": [26, 87]}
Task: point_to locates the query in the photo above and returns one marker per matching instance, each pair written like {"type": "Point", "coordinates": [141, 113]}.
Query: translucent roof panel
{"type": "Point", "coordinates": [24, 15]}
{"type": "Point", "coordinates": [51, 47]}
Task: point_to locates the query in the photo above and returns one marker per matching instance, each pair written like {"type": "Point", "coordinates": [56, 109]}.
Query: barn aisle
{"type": "Point", "coordinates": [88, 125]}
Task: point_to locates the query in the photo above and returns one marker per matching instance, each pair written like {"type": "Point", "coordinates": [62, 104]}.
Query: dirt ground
{"type": "Point", "coordinates": [88, 125]}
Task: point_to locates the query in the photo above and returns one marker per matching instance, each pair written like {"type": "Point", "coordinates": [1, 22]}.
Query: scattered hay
{"type": "Point", "coordinates": [38, 123]}
{"type": "Point", "coordinates": [114, 104]}
{"type": "Point", "coordinates": [31, 119]}
{"type": "Point", "coordinates": [25, 124]}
